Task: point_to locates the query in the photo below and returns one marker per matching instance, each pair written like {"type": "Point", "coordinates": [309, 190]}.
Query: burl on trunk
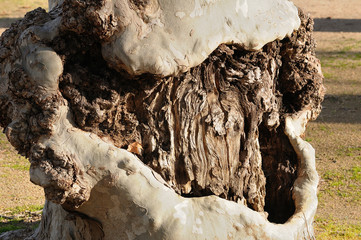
{"type": "Point", "coordinates": [165, 119]}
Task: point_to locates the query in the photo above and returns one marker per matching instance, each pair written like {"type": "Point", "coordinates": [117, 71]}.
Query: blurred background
{"type": "Point", "coordinates": [336, 135]}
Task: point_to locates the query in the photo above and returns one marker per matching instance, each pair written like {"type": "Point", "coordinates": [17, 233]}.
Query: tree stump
{"type": "Point", "coordinates": [124, 156]}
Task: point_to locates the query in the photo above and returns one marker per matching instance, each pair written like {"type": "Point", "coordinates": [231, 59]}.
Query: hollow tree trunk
{"type": "Point", "coordinates": [217, 129]}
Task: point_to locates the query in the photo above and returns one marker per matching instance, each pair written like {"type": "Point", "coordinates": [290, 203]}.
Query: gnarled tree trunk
{"type": "Point", "coordinates": [219, 128]}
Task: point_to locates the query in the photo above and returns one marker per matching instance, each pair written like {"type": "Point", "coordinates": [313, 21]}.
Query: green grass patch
{"type": "Point", "coordinates": [333, 176]}
{"type": "Point", "coordinates": [15, 166]}
{"type": "Point", "coordinates": [350, 45]}
{"type": "Point", "coordinates": [330, 229]}
{"type": "Point", "coordinates": [15, 162]}
{"type": "Point", "coordinates": [341, 63]}
{"type": "Point", "coordinates": [343, 183]}
{"type": "Point", "coordinates": [328, 75]}
{"type": "Point", "coordinates": [356, 174]}
{"type": "Point", "coordinates": [5, 146]}
{"type": "Point", "coordinates": [349, 151]}
{"type": "Point", "coordinates": [325, 130]}
{"type": "Point", "coordinates": [20, 216]}
{"type": "Point", "coordinates": [23, 209]}
{"type": "Point", "coordinates": [346, 57]}
{"type": "Point", "coordinates": [11, 225]}
{"type": "Point", "coordinates": [9, 157]}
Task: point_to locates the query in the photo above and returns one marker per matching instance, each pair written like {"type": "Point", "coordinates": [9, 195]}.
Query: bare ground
{"type": "Point", "coordinates": [336, 135]}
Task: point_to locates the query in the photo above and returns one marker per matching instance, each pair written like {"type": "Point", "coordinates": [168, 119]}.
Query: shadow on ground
{"type": "Point", "coordinates": [341, 109]}
{"type": "Point", "coordinates": [6, 22]}
{"type": "Point", "coordinates": [337, 25]}
{"type": "Point", "coordinates": [341, 54]}
{"type": "Point", "coordinates": [17, 229]}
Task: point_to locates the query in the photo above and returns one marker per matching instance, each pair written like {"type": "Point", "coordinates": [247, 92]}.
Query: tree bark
{"type": "Point", "coordinates": [214, 130]}
{"type": "Point", "coordinates": [217, 129]}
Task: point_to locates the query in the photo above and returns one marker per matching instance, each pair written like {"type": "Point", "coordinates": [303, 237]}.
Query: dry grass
{"type": "Point", "coordinates": [16, 188]}
{"type": "Point", "coordinates": [18, 8]}
{"type": "Point", "coordinates": [337, 139]}
{"type": "Point", "coordinates": [12, 10]}
{"type": "Point", "coordinates": [18, 196]}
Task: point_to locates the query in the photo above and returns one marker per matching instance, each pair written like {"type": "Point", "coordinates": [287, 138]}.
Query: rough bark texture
{"type": "Point", "coordinates": [201, 130]}
{"type": "Point", "coordinates": [214, 130]}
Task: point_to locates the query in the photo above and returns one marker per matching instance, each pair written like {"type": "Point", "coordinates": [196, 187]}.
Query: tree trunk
{"type": "Point", "coordinates": [217, 129]}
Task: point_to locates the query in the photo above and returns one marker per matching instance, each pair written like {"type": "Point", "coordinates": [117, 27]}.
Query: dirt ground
{"type": "Point", "coordinates": [336, 135]}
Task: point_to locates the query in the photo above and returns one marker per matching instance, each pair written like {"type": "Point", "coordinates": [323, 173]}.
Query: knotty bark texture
{"type": "Point", "coordinates": [216, 129]}
{"type": "Point", "coordinates": [213, 130]}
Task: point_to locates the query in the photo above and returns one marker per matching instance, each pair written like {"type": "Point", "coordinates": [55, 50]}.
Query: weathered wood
{"type": "Point", "coordinates": [217, 129]}
{"type": "Point", "coordinates": [206, 130]}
